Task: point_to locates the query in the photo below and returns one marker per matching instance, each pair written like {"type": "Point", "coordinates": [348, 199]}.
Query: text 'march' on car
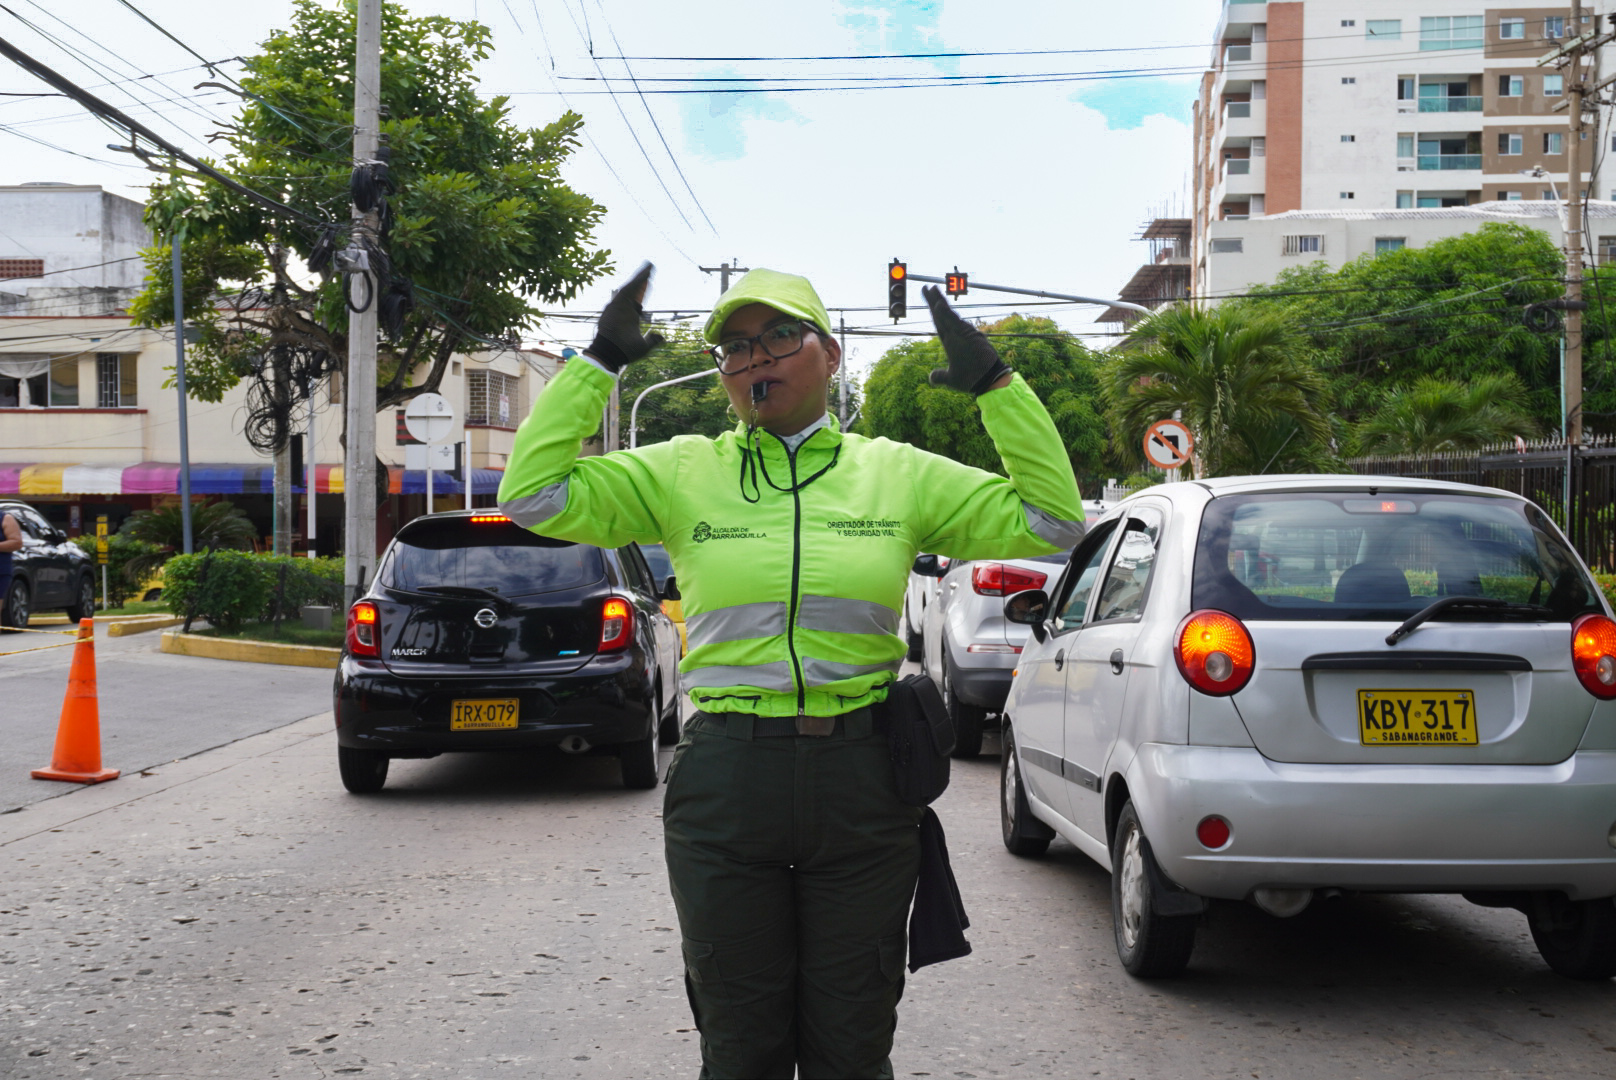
{"type": "Point", "coordinates": [1260, 687]}
{"type": "Point", "coordinates": [477, 634]}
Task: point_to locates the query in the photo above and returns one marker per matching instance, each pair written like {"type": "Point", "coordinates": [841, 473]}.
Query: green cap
{"type": "Point", "coordinates": [783, 292]}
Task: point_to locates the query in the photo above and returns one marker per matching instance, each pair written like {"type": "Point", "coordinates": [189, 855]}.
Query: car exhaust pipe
{"type": "Point", "coordinates": [1282, 903]}
{"type": "Point", "coordinates": [575, 744]}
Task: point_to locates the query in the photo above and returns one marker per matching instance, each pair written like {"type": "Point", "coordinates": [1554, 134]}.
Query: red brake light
{"type": "Point", "coordinates": [488, 519]}
{"type": "Point", "coordinates": [364, 625]}
{"type": "Point", "coordinates": [1214, 652]}
{"type": "Point", "coordinates": [1593, 654]}
{"type": "Point", "coordinates": [997, 579]}
{"type": "Point", "coordinates": [616, 624]}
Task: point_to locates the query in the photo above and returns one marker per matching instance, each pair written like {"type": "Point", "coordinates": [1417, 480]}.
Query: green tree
{"type": "Point", "coordinates": [1453, 310]}
{"type": "Point", "coordinates": [1435, 415]}
{"type": "Point", "coordinates": [901, 404]}
{"type": "Point", "coordinates": [1235, 377]}
{"type": "Point", "coordinates": [214, 525]}
{"type": "Point", "coordinates": [696, 407]}
{"type": "Point", "coordinates": [481, 220]}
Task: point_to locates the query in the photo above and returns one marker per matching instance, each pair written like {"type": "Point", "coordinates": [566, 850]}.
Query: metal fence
{"type": "Point", "coordinates": [1576, 486]}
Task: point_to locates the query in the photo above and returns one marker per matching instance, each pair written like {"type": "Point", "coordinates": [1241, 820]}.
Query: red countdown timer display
{"type": "Point", "coordinates": [955, 284]}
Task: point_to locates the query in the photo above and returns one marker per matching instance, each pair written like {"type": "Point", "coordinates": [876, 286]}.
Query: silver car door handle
{"type": "Point", "coordinates": [1060, 659]}
{"type": "Point", "coordinates": [1116, 661]}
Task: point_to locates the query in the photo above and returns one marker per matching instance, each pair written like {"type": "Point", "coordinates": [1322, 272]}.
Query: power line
{"type": "Point", "coordinates": [655, 126]}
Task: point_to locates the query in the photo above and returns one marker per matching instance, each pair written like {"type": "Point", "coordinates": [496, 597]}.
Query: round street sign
{"type": "Point", "coordinates": [429, 417]}
{"type": "Point", "coordinates": [1168, 444]}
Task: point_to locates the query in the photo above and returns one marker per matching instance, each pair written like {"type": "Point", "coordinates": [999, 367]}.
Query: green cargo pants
{"type": "Point", "coordinates": [792, 865]}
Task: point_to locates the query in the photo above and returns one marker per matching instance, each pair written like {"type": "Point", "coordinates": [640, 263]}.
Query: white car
{"type": "Point", "coordinates": [1256, 688]}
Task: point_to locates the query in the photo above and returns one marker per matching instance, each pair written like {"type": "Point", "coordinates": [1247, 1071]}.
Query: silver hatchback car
{"type": "Point", "coordinates": [1259, 688]}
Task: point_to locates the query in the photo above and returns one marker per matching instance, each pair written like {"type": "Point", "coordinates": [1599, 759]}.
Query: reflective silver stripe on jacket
{"type": "Point", "coordinates": [1052, 530]}
{"type": "Point", "coordinates": [738, 623]}
{"type": "Point", "coordinates": [819, 672]}
{"type": "Point", "coordinates": [775, 676]}
{"type": "Point", "coordinates": [542, 505]}
{"type": "Point", "coordinates": [846, 616]}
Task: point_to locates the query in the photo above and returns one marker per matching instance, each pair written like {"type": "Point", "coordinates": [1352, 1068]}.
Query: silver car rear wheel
{"type": "Point", "coordinates": [1150, 945]}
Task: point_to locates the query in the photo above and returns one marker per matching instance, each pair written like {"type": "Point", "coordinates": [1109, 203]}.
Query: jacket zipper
{"type": "Point", "coordinates": [796, 569]}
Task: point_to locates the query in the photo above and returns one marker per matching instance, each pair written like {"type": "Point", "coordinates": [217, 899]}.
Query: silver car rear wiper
{"type": "Point", "coordinates": [1436, 607]}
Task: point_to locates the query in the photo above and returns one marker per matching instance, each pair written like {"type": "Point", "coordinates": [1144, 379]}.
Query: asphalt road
{"type": "Point", "coordinates": [236, 914]}
{"type": "Point", "coordinates": [154, 706]}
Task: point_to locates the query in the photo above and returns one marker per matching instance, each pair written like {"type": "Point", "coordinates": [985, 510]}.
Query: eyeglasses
{"type": "Point", "coordinates": [778, 342]}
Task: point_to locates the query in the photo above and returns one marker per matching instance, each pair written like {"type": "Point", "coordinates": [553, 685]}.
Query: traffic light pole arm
{"type": "Point", "coordinates": [634, 413]}
{"type": "Point", "coordinates": [1038, 292]}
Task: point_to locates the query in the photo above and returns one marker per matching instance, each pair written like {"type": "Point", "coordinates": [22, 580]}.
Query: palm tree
{"type": "Point", "coordinates": [213, 525]}
{"type": "Point", "coordinates": [1232, 374]}
{"type": "Point", "coordinates": [1435, 415]}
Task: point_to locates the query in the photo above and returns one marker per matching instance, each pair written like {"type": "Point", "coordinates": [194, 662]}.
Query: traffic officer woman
{"type": "Point", "coordinates": [791, 860]}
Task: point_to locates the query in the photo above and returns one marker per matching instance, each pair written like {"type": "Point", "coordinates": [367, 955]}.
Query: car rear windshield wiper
{"type": "Point", "coordinates": [460, 590]}
{"type": "Point", "coordinates": [1437, 607]}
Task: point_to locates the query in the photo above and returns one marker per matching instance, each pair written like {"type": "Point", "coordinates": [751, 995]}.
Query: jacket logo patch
{"type": "Point", "coordinates": [865, 527]}
{"type": "Point", "coordinates": [704, 532]}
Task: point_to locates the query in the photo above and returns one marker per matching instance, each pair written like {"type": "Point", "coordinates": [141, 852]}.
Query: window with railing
{"type": "Point", "coordinates": [1451, 32]}
{"type": "Point", "coordinates": [1446, 96]}
{"type": "Point", "coordinates": [1237, 166]}
{"type": "Point", "coordinates": [1303, 245]}
{"type": "Point", "coordinates": [1239, 110]}
{"type": "Point", "coordinates": [1448, 154]}
{"type": "Point", "coordinates": [491, 398]}
{"type": "Point", "coordinates": [1236, 54]}
{"type": "Point", "coordinates": [115, 381]}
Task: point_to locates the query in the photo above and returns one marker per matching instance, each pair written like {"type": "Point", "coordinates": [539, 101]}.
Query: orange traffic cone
{"type": "Point", "coordinates": [78, 735]}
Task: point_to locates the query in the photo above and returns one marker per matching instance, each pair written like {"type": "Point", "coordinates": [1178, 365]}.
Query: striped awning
{"type": "Point", "coordinates": [160, 478]}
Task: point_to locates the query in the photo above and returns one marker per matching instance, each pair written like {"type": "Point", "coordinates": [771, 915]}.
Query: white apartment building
{"type": "Point", "coordinates": [1371, 105]}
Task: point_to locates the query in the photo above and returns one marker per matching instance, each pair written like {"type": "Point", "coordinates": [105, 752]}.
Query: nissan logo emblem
{"type": "Point", "coordinates": [485, 618]}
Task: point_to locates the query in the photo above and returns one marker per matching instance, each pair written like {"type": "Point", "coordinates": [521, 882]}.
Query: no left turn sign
{"type": "Point", "coordinates": [1168, 444]}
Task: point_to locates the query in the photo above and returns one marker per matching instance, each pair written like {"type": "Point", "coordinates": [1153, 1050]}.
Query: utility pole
{"type": "Point", "coordinates": [359, 462]}
{"type": "Point", "coordinates": [1574, 244]}
{"type": "Point", "coordinates": [309, 461]}
{"type": "Point", "coordinates": [724, 270]}
{"type": "Point", "coordinates": [179, 384]}
{"type": "Point", "coordinates": [841, 410]}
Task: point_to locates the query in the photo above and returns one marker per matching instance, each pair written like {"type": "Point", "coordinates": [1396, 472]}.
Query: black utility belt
{"type": "Point", "coordinates": [859, 723]}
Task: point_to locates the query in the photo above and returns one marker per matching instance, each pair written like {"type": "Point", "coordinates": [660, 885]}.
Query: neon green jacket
{"type": "Point", "coordinates": [791, 599]}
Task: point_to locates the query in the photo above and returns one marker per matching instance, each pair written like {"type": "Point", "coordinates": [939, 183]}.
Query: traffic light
{"type": "Point", "coordinates": [897, 290]}
{"type": "Point", "coordinates": [955, 284]}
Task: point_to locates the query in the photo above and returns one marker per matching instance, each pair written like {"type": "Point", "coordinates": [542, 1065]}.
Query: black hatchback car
{"type": "Point", "coordinates": [50, 573]}
{"type": "Point", "coordinates": [476, 634]}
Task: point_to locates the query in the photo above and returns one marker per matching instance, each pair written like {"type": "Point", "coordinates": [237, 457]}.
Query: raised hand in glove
{"type": "Point", "coordinates": [619, 339]}
{"type": "Point", "coordinates": [973, 365]}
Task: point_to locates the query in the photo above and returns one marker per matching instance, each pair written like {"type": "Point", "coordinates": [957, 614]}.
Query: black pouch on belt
{"type": "Point", "coordinates": [921, 736]}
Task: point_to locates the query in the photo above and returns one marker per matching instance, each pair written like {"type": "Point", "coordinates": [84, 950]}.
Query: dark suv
{"type": "Point", "coordinates": [479, 635]}
{"type": "Point", "coordinates": [50, 573]}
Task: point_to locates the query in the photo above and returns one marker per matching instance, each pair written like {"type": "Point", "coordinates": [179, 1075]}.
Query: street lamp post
{"type": "Point", "coordinates": [634, 413]}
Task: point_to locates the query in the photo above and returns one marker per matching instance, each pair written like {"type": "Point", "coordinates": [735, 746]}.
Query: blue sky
{"type": "Point", "coordinates": [1125, 103]}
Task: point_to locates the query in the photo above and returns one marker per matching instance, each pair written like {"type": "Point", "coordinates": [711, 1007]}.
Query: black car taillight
{"type": "Point", "coordinates": [364, 630]}
{"type": "Point", "coordinates": [616, 624]}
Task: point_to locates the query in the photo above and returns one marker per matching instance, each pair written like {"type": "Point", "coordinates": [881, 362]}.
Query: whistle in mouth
{"type": "Point", "coordinates": [759, 391]}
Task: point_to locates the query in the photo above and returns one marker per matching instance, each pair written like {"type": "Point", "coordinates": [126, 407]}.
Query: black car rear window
{"type": "Point", "coordinates": [499, 557]}
{"type": "Point", "coordinates": [1315, 556]}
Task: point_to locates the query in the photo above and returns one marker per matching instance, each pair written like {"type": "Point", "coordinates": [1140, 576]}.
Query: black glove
{"type": "Point", "coordinates": [973, 365]}
{"type": "Point", "coordinates": [619, 341]}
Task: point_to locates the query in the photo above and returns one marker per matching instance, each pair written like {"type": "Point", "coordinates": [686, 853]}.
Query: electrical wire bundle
{"type": "Point", "coordinates": [284, 374]}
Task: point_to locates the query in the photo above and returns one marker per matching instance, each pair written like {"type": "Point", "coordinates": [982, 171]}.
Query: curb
{"type": "Point", "coordinates": [139, 624]}
{"type": "Point", "coordinates": [251, 652]}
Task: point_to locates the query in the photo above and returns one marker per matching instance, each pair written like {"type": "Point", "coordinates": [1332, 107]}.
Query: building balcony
{"type": "Point", "coordinates": [1448, 162]}
{"type": "Point", "coordinates": [1449, 104]}
{"type": "Point", "coordinates": [1246, 61]}
{"type": "Point", "coordinates": [87, 436]}
{"type": "Point", "coordinates": [1244, 176]}
{"type": "Point", "coordinates": [1245, 119]}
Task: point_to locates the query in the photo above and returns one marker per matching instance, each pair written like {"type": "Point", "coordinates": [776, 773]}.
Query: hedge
{"type": "Point", "coordinates": [240, 587]}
